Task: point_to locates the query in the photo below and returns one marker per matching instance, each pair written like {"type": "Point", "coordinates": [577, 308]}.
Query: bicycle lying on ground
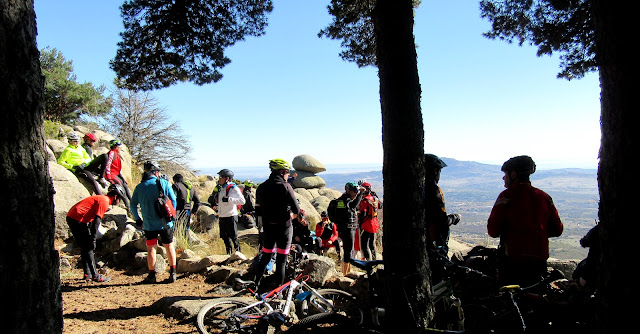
{"type": "Point", "coordinates": [273, 308]}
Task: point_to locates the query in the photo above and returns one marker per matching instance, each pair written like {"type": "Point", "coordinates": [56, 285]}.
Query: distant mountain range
{"type": "Point", "coordinates": [470, 188]}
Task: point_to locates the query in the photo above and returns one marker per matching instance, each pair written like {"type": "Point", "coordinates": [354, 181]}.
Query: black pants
{"type": "Point", "coordinates": [229, 233]}
{"type": "Point", "coordinates": [368, 245]}
{"type": "Point", "coordinates": [85, 236]}
{"type": "Point", "coordinates": [89, 177]}
{"type": "Point", "coordinates": [348, 236]}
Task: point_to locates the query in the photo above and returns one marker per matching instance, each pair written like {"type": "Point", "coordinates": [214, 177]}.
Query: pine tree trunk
{"type": "Point", "coordinates": [616, 31]}
{"type": "Point", "coordinates": [29, 274]}
{"type": "Point", "coordinates": [404, 237]}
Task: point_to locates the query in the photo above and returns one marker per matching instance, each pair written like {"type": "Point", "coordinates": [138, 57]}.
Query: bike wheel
{"type": "Point", "coordinates": [227, 316]}
{"type": "Point", "coordinates": [324, 323]}
{"type": "Point", "coordinates": [339, 301]}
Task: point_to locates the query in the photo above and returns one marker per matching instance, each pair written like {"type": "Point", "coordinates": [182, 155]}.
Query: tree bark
{"type": "Point", "coordinates": [616, 29]}
{"type": "Point", "coordinates": [29, 273]}
{"type": "Point", "coordinates": [404, 237]}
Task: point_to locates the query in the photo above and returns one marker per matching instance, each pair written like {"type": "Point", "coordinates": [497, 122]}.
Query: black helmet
{"type": "Point", "coordinates": [432, 160]}
{"type": "Point", "coordinates": [522, 165]}
{"type": "Point", "coordinates": [225, 173]}
{"type": "Point", "coordinates": [150, 166]}
{"type": "Point", "coordinates": [116, 190]}
{"type": "Point", "coordinates": [324, 214]}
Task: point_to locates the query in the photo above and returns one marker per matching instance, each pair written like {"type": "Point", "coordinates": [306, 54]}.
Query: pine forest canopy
{"type": "Point", "coordinates": [166, 42]}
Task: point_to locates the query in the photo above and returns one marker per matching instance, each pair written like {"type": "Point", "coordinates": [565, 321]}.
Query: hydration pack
{"type": "Point", "coordinates": [163, 205]}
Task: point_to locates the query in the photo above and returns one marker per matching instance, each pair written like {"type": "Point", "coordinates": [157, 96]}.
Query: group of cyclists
{"type": "Point", "coordinates": [523, 217]}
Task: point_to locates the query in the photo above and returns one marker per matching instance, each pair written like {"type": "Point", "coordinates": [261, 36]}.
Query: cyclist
{"type": "Point", "coordinates": [113, 167]}
{"type": "Point", "coordinates": [75, 158]}
{"type": "Point", "coordinates": [187, 199]}
{"type": "Point", "coordinates": [368, 220]}
{"type": "Point", "coordinates": [89, 140]}
{"type": "Point", "coordinates": [524, 218]}
{"type": "Point", "coordinates": [84, 219]}
{"type": "Point", "coordinates": [227, 198]}
{"type": "Point", "coordinates": [301, 232]}
{"type": "Point", "coordinates": [343, 212]}
{"type": "Point", "coordinates": [146, 195]}
{"type": "Point", "coordinates": [276, 205]}
{"type": "Point", "coordinates": [436, 217]}
{"type": "Point", "coordinates": [327, 235]}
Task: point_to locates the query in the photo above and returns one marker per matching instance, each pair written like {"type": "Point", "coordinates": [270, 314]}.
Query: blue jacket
{"type": "Point", "coordinates": [146, 194]}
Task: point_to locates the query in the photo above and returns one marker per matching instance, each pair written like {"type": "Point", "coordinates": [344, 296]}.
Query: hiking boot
{"type": "Point", "coordinates": [172, 278]}
{"type": "Point", "coordinates": [101, 278]}
{"type": "Point", "coordinates": [150, 279]}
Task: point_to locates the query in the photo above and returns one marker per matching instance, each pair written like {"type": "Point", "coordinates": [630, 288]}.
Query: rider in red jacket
{"type": "Point", "coordinates": [524, 217]}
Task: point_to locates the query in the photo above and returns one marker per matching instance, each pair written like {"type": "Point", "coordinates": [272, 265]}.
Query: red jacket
{"type": "Point", "coordinates": [113, 166]}
{"type": "Point", "coordinates": [524, 218]}
{"type": "Point", "coordinates": [86, 210]}
{"type": "Point", "coordinates": [369, 214]}
{"type": "Point", "coordinates": [320, 229]}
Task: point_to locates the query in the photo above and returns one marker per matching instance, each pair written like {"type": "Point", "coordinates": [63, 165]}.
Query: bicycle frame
{"type": "Point", "coordinates": [283, 315]}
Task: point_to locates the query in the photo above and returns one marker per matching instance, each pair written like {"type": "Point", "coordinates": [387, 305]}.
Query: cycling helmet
{"type": "Point", "coordinates": [116, 190]}
{"type": "Point", "coordinates": [114, 142]}
{"type": "Point", "coordinates": [324, 214]}
{"type": "Point", "coordinates": [90, 136]}
{"type": "Point", "coordinates": [277, 164]}
{"type": "Point", "coordinates": [351, 186]}
{"type": "Point", "coordinates": [72, 136]}
{"type": "Point", "coordinates": [366, 185]}
{"type": "Point", "coordinates": [432, 161]}
{"type": "Point", "coordinates": [225, 173]}
{"type": "Point", "coordinates": [150, 166]}
{"type": "Point", "coordinates": [522, 165]}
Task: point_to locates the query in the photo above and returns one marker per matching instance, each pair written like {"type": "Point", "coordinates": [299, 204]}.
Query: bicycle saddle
{"type": "Point", "coordinates": [366, 265]}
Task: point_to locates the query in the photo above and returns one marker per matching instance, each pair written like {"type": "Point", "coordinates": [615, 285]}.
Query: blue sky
{"type": "Point", "coordinates": [288, 92]}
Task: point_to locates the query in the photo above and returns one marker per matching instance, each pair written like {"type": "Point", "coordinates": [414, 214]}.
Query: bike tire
{"type": "Point", "coordinates": [214, 317]}
{"type": "Point", "coordinates": [343, 302]}
{"type": "Point", "coordinates": [324, 323]}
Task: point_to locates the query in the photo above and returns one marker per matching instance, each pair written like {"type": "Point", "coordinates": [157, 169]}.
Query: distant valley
{"type": "Point", "coordinates": [470, 189]}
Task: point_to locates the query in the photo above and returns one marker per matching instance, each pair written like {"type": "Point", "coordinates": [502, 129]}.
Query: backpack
{"type": "Point", "coordinates": [187, 185]}
{"type": "Point", "coordinates": [164, 205]}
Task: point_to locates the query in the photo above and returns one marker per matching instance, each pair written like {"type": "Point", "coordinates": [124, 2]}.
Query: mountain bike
{"type": "Point", "coordinates": [273, 308]}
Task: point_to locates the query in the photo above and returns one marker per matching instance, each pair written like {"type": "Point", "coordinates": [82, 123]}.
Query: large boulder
{"type": "Point", "coordinates": [307, 180]}
{"type": "Point", "coordinates": [307, 163]}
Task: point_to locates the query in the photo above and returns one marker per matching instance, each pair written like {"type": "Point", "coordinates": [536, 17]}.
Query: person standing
{"type": "Point", "coordinates": [146, 196]}
{"type": "Point", "coordinates": [227, 200]}
{"type": "Point", "coordinates": [368, 219]}
{"type": "Point", "coordinates": [113, 167]}
{"type": "Point", "coordinates": [84, 219]}
{"type": "Point", "coordinates": [187, 199]}
{"type": "Point", "coordinates": [524, 218]}
{"type": "Point", "coordinates": [276, 205]}
{"type": "Point", "coordinates": [343, 211]}
{"type": "Point", "coordinates": [76, 159]}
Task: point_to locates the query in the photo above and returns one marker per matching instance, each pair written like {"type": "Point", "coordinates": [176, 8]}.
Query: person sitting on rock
{"type": "Point", "coordinates": [301, 232]}
{"type": "Point", "coordinates": [113, 168]}
{"type": "Point", "coordinates": [75, 158]}
{"type": "Point", "coordinates": [89, 140]}
{"type": "Point", "coordinates": [84, 219]}
{"type": "Point", "coordinates": [326, 235]}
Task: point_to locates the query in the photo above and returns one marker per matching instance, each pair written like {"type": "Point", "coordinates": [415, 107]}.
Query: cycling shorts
{"type": "Point", "coordinates": [277, 238]}
{"type": "Point", "coordinates": [166, 236]}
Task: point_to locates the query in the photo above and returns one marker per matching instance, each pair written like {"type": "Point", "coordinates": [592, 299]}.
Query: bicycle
{"type": "Point", "coordinates": [236, 315]}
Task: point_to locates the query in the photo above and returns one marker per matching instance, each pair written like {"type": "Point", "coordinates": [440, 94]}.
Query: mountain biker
{"type": "Point", "coordinates": [327, 234]}
{"type": "Point", "coordinates": [368, 220]}
{"type": "Point", "coordinates": [524, 218]}
{"type": "Point", "coordinates": [186, 198]}
{"type": "Point", "coordinates": [343, 212]}
{"type": "Point", "coordinates": [75, 158]}
{"type": "Point", "coordinates": [227, 200]}
{"type": "Point", "coordinates": [276, 205]}
{"type": "Point", "coordinates": [89, 140]}
{"type": "Point", "coordinates": [436, 217]}
{"type": "Point", "coordinates": [84, 219]}
{"type": "Point", "coordinates": [113, 167]}
{"type": "Point", "coordinates": [301, 232]}
{"type": "Point", "coordinates": [146, 195]}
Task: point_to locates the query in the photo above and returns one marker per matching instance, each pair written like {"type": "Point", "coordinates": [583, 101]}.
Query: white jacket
{"type": "Point", "coordinates": [229, 208]}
